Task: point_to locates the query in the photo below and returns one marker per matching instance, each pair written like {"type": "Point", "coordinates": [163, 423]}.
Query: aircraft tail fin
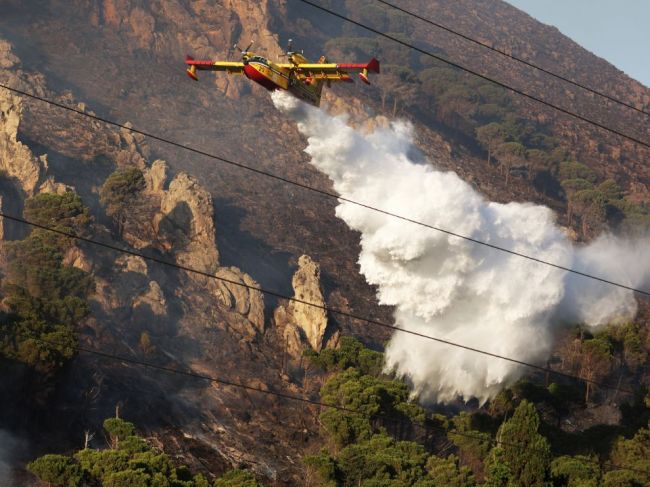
{"type": "Point", "coordinates": [373, 66]}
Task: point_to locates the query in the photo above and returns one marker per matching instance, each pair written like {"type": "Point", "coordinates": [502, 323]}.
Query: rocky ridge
{"type": "Point", "coordinates": [215, 327]}
{"type": "Point", "coordinates": [303, 325]}
{"type": "Point", "coordinates": [16, 159]}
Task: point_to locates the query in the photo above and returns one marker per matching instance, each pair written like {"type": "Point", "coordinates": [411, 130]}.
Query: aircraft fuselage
{"type": "Point", "coordinates": [273, 77]}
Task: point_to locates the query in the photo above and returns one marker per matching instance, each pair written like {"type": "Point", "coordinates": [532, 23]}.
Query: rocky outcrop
{"type": "Point", "coordinates": [131, 263]}
{"type": "Point", "coordinates": [52, 186]}
{"type": "Point", "coordinates": [154, 298]}
{"type": "Point", "coordinates": [236, 291]}
{"type": "Point", "coordinates": [303, 324]}
{"type": "Point", "coordinates": [16, 160]}
{"type": "Point", "coordinates": [156, 176]}
{"type": "Point", "coordinates": [76, 257]}
{"type": "Point", "coordinates": [185, 226]}
{"type": "Point", "coordinates": [186, 222]}
{"type": "Point", "coordinates": [253, 18]}
{"type": "Point", "coordinates": [133, 148]}
{"type": "Point", "coordinates": [7, 58]}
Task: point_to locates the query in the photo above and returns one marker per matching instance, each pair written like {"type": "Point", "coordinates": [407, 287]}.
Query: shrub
{"type": "Point", "coordinates": [120, 188]}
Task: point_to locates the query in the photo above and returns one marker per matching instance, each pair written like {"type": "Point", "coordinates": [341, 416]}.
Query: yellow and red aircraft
{"type": "Point", "coordinates": [299, 77]}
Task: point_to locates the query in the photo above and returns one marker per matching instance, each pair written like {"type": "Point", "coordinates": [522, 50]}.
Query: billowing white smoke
{"type": "Point", "coordinates": [450, 288]}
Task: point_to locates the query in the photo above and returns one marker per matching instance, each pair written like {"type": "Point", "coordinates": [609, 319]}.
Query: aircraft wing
{"type": "Point", "coordinates": [332, 71]}
{"type": "Point", "coordinates": [195, 65]}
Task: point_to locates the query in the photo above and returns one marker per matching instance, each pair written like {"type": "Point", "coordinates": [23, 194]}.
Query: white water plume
{"type": "Point", "coordinates": [451, 288]}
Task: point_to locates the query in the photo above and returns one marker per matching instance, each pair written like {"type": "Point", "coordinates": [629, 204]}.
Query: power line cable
{"type": "Point", "coordinates": [313, 402]}
{"type": "Point", "coordinates": [313, 305]}
{"type": "Point", "coordinates": [503, 53]}
{"type": "Point", "coordinates": [321, 191]}
{"type": "Point", "coordinates": [476, 73]}
{"type": "Point", "coordinates": [284, 395]}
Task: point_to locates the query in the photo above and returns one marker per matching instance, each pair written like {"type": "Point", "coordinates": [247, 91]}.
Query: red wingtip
{"type": "Point", "coordinates": [188, 58]}
{"type": "Point", "coordinates": [373, 66]}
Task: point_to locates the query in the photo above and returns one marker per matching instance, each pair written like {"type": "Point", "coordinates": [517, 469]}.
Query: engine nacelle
{"type": "Point", "coordinates": [191, 72]}
{"type": "Point", "coordinates": [364, 76]}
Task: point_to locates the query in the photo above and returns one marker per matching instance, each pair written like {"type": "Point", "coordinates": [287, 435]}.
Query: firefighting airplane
{"type": "Point", "coordinates": [301, 78]}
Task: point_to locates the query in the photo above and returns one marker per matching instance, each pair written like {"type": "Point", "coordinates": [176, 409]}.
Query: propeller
{"type": "Point", "coordinates": [289, 51]}
{"type": "Point", "coordinates": [248, 48]}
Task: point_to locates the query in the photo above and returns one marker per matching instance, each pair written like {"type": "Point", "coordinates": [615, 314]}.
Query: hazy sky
{"type": "Point", "coordinates": [616, 30]}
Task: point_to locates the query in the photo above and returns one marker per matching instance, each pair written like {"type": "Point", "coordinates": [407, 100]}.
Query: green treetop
{"type": "Point", "coordinates": [522, 452]}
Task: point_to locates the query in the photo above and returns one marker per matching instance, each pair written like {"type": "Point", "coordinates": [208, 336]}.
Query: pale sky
{"type": "Point", "coordinates": [616, 30]}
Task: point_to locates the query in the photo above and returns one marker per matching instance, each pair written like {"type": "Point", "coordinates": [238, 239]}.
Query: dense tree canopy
{"type": "Point", "coordinates": [521, 449]}
{"type": "Point", "coordinates": [120, 191]}
{"type": "Point", "coordinates": [130, 462]}
{"type": "Point", "coordinates": [47, 298]}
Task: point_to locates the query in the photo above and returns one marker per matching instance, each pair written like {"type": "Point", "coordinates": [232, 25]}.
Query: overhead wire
{"type": "Point", "coordinates": [292, 397]}
{"type": "Point", "coordinates": [349, 315]}
{"type": "Point", "coordinates": [510, 56]}
{"type": "Point", "coordinates": [477, 74]}
{"type": "Point", "coordinates": [278, 295]}
{"type": "Point", "coordinates": [321, 192]}
{"type": "Point", "coordinates": [325, 308]}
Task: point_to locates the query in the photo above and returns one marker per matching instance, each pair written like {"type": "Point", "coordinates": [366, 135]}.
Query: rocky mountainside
{"type": "Point", "coordinates": [516, 33]}
{"type": "Point", "coordinates": [122, 59]}
{"type": "Point", "coordinates": [214, 327]}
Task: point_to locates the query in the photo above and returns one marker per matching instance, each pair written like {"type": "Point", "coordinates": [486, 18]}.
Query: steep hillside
{"type": "Point", "coordinates": [123, 59]}
{"type": "Point", "coordinates": [504, 27]}
{"type": "Point", "coordinates": [138, 309]}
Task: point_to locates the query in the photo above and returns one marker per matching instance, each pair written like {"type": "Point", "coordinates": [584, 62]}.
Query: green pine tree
{"type": "Point", "coordinates": [522, 449]}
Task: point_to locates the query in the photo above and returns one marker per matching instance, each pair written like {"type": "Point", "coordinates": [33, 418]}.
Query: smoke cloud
{"type": "Point", "coordinates": [9, 447]}
{"type": "Point", "coordinates": [448, 287]}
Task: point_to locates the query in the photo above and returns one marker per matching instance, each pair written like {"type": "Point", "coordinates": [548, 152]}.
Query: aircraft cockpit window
{"type": "Point", "coordinates": [259, 59]}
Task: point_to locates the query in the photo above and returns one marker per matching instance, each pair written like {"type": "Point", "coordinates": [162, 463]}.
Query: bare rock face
{"type": "Point", "coordinates": [76, 257]}
{"type": "Point", "coordinates": [156, 176]}
{"type": "Point", "coordinates": [131, 263]}
{"type": "Point", "coordinates": [7, 58]}
{"type": "Point", "coordinates": [133, 148]}
{"type": "Point", "coordinates": [153, 297]}
{"type": "Point", "coordinates": [253, 18]}
{"type": "Point", "coordinates": [52, 186]}
{"type": "Point", "coordinates": [240, 298]}
{"type": "Point", "coordinates": [186, 223]}
{"type": "Point", "coordinates": [301, 323]}
{"type": "Point", "coordinates": [16, 160]}
{"type": "Point", "coordinates": [182, 218]}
